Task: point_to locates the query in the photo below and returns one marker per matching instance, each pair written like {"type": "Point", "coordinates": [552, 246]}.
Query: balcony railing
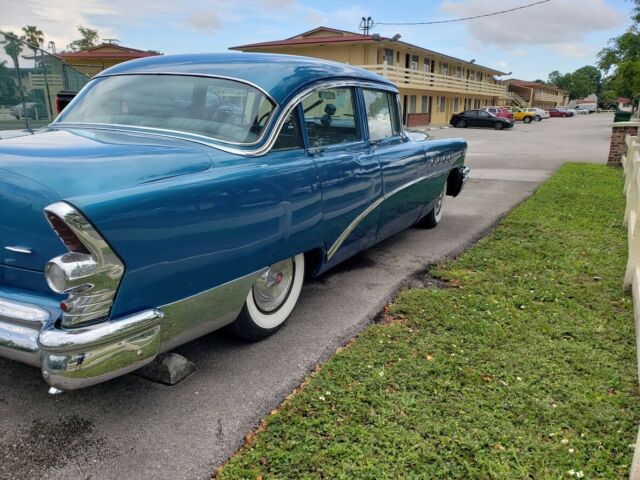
{"type": "Point", "coordinates": [547, 97]}
{"type": "Point", "coordinates": [409, 78]}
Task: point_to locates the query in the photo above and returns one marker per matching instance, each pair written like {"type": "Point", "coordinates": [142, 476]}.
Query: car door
{"type": "Point", "coordinates": [349, 173]}
{"type": "Point", "coordinates": [471, 116]}
{"type": "Point", "coordinates": [485, 119]}
{"type": "Point", "coordinates": [402, 163]}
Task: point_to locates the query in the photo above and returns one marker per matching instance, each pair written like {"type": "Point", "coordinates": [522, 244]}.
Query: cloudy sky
{"type": "Point", "coordinates": [558, 35]}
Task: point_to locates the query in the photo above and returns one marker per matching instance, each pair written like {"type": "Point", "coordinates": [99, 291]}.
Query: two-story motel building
{"type": "Point", "coordinates": [432, 85]}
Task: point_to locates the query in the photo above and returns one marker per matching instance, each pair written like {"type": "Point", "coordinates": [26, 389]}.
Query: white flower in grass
{"type": "Point", "coordinates": [381, 373]}
{"type": "Point", "coordinates": [321, 397]}
{"type": "Point", "coordinates": [564, 441]}
{"type": "Point", "coordinates": [571, 450]}
{"type": "Point", "coordinates": [579, 474]}
{"type": "Point", "coordinates": [572, 472]}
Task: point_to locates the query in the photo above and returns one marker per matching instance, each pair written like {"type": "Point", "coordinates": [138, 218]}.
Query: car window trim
{"type": "Point", "coordinates": [279, 119]}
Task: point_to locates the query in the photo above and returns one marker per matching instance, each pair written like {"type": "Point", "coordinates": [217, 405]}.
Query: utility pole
{"type": "Point", "coordinates": [365, 25]}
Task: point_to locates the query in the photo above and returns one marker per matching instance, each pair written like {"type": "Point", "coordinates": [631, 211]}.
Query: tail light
{"type": "Point", "coordinates": [89, 273]}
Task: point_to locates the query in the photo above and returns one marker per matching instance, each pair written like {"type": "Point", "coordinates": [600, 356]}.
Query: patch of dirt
{"type": "Point", "coordinates": [47, 445]}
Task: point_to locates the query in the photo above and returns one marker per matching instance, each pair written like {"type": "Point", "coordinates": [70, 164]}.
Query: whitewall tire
{"type": "Point", "coordinates": [271, 299]}
{"type": "Point", "coordinates": [433, 218]}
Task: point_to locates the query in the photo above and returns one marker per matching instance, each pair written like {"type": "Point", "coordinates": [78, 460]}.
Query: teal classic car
{"type": "Point", "coordinates": [179, 194]}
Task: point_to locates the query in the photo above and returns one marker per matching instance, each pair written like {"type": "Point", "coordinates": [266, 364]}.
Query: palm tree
{"type": "Point", "coordinates": [33, 36]}
{"type": "Point", "coordinates": [13, 47]}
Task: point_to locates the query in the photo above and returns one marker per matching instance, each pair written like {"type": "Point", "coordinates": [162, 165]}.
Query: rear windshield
{"type": "Point", "coordinates": [224, 110]}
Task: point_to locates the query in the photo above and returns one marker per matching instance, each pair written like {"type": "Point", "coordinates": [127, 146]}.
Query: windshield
{"type": "Point", "coordinates": [224, 110]}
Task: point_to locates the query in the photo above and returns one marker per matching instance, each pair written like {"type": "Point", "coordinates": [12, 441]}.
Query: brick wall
{"type": "Point", "coordinates": [618, 147]}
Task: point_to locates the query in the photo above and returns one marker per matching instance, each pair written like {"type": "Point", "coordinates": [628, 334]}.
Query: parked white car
{"type": "Point", "coordinates": [571, 110]}
{"type": "Point", "coordinates": [539, 113]}
{"type": "Point", "coordinates": [582, 111]}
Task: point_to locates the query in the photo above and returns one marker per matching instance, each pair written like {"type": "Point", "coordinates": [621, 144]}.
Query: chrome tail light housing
{"type": "Point", "coordinates": [89, 273]}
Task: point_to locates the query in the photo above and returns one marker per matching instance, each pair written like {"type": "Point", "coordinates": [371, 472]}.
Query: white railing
{"type": "Point", "coordinates": [410, 78]}
{"type": "Point", "coordinates": [631, 165]}
{"type": "Point", "coordinates": [547, 97]}
{"type": "Point", "coordinates": [518, 100]}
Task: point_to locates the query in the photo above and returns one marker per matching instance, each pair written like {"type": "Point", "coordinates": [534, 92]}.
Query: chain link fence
{"type": "Point", "coordinates": [30, 79]}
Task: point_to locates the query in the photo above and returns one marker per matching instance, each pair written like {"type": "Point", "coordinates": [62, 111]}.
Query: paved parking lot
{"type": "Point", "coordinates": [135, 429]}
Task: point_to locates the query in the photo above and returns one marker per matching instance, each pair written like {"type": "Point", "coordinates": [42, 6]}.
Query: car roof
{"type": "Point", "coordinates": [278, 75]}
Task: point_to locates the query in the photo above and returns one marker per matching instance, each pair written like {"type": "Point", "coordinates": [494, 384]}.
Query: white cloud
{"type": "Point", "coordinates": [574, 50]}
{"type": "Point", "coordinates": [519, 52]}
{"type": "Point", "coordinates": [500, 64]}
{"type": "Point", "coordinates": [207, 22]}
{"type": "Point", "coordinates": [60, 20]}
{"type": "Point", "coordinates": [558, 21]}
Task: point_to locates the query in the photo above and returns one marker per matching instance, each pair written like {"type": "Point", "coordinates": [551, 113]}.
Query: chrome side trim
{"type": "Point", "coordinates": [22, 312]}
{"type": "Point", "coordinates": [93, 286]}
{"type": "Point", "coordinates": [17, 249]}
{"type": "Point", "coordinates": [204, 312]}
{"type": "Point", "coordinates": [356, 221]}
{"type": "Point", "coordinates": [275, 130]}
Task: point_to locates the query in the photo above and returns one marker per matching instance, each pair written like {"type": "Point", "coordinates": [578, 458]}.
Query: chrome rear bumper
{"type": "Point", "coordinates": [72, 358]}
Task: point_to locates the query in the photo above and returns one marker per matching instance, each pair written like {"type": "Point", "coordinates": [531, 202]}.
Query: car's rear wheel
{"type": "Point", "coordinates": [433, 218]}
{"type": "Point", "coordinates": [461, 124]}
{"type": "Point", "coordinates": [564, 115]}
{"type": "Point", "coordinates": [498, 126]}
{"type": "Point", "coordinates": [526, 119]}
{"type": "Point", "coordinates": [271, 300]}
{"type": "Point", "coordinates": [538, 118]}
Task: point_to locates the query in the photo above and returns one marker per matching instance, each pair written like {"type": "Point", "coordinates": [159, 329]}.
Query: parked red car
{"type": "Point", "coordinates": [500, 112]}
{"type": "Point", "coordinates": [558, 112]}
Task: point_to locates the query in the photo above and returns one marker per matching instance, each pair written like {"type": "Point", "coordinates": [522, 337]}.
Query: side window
{"type": "Point", "coordinates": [483, 114]}
{"type": "Point", "coordinates": [381, 114]}
{"type": "Point", "coordinates": [471, 113]}
{"type": "Point", "coordinates": [289, 136]}
{"type": "Point", "coordinates": [329, 117]}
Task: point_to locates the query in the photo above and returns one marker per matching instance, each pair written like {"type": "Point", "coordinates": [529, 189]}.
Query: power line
{"type": "Point", "coordinates": [522, 7]}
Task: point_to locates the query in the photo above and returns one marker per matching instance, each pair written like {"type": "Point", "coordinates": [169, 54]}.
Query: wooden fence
{"type": "Point", "coordinates": [631, 166]}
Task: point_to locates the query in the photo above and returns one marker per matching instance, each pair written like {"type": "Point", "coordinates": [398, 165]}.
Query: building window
{"type": "Point", "coordinates": [444, 69]}
{"type": "Point", "coordinates": [427, 65]}
{"type": "Point", "coordinates": [388, 56]}
{"type": "Point", "coordinates": [472, 75]}
{"type": "Point", "coordinates": [415, 62]}
{"type": "Point", "coordinates": [425, 104]}
{"type": "Point", "coordinates": [412, 104]}
{"type": "Point", "coordinates": [398, 58]}
{"type": "Point", "coordinates": [480, 76]}
{"type": "Point", "coordinates": [459, 71]}
{"type": "Point", "coordinates": [456, 104]}
{"type": "Point", "coordinates": [443, 104]}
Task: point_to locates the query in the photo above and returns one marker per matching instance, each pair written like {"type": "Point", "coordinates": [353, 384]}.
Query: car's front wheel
{"type": "Point", "coordinates": [526, 119]}
{"type": "Point", "coordinates": [538, 118]}
{"type": "Point", "coordinates": [271, 300]}
{"type": "Point", "coordinates": [498, 126]}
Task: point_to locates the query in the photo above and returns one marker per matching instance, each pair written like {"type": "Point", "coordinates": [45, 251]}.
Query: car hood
{"type": "Point", "coordinates": [55, 164]}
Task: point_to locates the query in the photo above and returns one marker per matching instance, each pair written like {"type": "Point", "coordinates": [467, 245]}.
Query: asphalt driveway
{"type": "Point", "coordinates": [135, 429]}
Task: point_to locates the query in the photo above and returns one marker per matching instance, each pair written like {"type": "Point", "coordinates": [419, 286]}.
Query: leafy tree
{"type": "Point", "coordinates": [33, 36]}
{"type": "Point", "coordinates": [89, 39]}
{"type": "Point", "coordinates": [579, 84]}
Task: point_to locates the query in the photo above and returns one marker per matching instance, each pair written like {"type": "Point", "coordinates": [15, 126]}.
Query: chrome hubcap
{"type": "Point", "coordinates": [271, 289]}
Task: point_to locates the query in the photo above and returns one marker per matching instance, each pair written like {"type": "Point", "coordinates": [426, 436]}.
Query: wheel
{"type": "Point", "coordinates": [462, 124]}
{"type": "Point", "coordinates": [538, 118]}
{"type": "Point", "coordinates": [432, 219]}
{"type": "Point", "coordinates": [526, 119]}
{"type": "Point", "coordinates": [564, 115]}
{"type": "Point", "coordinates": [271, 300]}
{"type": "Point", "coordinates": [498, 126]}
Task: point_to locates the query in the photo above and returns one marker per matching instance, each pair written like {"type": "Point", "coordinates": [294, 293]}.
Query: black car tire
{"type": "Point", "coordinates": [538, 118]}
{"type": "Point", "coordinates": [526, 119]}
{"type": "Point", "coordinates": [498, 126]}
{"type": "Point", "coordinates": [461, 123]}
{"type": "Point", "coordinates": [564, 115]}
{"type": "Point", "coordinates": [254, 323]}
{"type": "Point", "coordinates": [433, 218]}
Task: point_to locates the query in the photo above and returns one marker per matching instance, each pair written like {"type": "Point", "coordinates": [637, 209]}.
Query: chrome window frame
{"type": "Point", "coordinates": [270, 140]}
{"type": "Point", "coordinates": [275, 105]}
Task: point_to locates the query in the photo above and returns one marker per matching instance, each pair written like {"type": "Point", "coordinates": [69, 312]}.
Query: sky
{"type": "Point", "coordinates": [558, 35]}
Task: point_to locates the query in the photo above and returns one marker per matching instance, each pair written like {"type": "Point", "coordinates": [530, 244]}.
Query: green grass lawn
{"type": "Point", "coordinates": [524, 367]}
